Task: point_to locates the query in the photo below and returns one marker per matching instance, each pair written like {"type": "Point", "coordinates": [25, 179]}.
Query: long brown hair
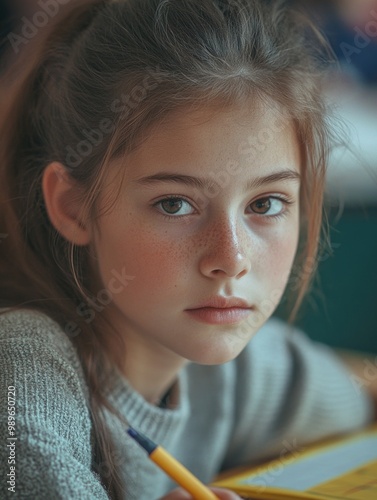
{"type": "Point", "coordinates": [86, 90]}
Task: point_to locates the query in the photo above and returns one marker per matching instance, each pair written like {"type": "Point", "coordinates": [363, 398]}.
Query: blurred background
{"type": "Point", "coordinates": [341, 309]}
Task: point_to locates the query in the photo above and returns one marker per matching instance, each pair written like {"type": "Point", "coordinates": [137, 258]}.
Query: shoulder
{"type": "Point", "coordinates": [36, 329]}
{"type": "Point", "coordinates": [19, 323]}
{"type": "Point", "coordinates": [41, 363]}
{"type": "Point", "coordinates": [41, 371]}
{"type": "Point", "coordinates": [33, 343]}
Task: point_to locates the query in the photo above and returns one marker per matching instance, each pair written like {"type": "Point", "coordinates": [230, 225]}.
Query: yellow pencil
{"type": "Point", "coordinates": [173, 468]}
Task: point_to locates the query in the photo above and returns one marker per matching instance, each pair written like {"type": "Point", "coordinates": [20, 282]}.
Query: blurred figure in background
{"type": "Point", "coordinates": [351, 27]}
{"type": "Point", "coordinates": [352, 30]}
{"type": "Point", "coordinates": [344, 299]}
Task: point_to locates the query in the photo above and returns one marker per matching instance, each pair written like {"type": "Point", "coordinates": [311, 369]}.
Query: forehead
{"type": "Point", "coordinates": [253, 134]}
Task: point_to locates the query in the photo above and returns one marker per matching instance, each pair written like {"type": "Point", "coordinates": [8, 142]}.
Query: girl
{"type": "Point", "coordinates": [162, 173]}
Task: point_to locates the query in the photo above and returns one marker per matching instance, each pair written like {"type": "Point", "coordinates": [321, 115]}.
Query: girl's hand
{"type": "Point", "coordinates": [180, 494]}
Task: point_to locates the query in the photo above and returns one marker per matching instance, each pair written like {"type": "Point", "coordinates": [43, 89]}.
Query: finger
{"type": "Point", "coordinates": [225, 494]}
{"type": "Point", "coordinates": [177, 494]}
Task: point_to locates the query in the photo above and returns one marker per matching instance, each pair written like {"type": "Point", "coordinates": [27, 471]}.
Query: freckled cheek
{"type": "Point", "coordinates": [282, 265]}
{"type": "Point", "coordinates": [280, 258]}
{"type": "Point", "coordinates": [151, 259]}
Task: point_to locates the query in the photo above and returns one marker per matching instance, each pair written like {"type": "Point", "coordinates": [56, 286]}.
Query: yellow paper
{"type": "Point", "coordinates": [337, 469]}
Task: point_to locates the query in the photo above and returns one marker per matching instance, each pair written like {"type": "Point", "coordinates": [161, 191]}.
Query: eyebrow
{"type": "Point", "coordinates": [205, 183]}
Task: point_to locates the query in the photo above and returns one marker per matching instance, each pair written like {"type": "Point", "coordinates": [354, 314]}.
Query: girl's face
{"type": "Point", "coordinates": [209, 207]}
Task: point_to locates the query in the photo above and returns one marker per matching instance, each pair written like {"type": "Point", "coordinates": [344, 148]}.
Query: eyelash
{"type": "Point", "coordinates": [175, 198]}
{"type": "Point", "coordinates": [285, 200]}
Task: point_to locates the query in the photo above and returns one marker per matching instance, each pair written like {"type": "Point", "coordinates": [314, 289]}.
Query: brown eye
{"type": "Point", "coordinates": [174, 207]}
{"type": "Point", "coordinates": [171, 205]}
{"type": "Point", "coordinates": [261, 206]}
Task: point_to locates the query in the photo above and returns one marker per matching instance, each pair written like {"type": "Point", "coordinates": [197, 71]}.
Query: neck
{"type": "Point", "coordinates": [151, 375]}
{"type": "Point", "coordinates": [151, 369]}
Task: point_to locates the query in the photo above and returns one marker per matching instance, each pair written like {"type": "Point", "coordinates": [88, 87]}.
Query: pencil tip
{"type": "Point", "coordinates": [143, 441]}
{"type": "Point", "coordinates": [132, 432]}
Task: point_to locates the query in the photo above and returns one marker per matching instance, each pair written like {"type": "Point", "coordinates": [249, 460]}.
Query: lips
{"type": "Point", "coordinates": [221, 310]}
{"type": "Point", "coordinates": [220, 302]}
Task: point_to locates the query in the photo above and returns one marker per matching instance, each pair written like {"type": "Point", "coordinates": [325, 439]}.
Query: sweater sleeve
{"type": "Point", "coordinates": [290, 391]}
{"type": "Point", "coordinates": [50, 448]}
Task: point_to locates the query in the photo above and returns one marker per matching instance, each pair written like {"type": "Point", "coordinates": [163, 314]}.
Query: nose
{"type": "Point", "coordinates": [226, 250]}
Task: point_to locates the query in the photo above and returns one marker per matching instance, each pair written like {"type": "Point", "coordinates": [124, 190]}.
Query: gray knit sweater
{"type": "Point", "coordinates": [282, 391]}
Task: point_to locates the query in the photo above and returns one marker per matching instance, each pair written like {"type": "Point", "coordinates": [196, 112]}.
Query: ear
{"type": "Point", "coordinates": [63, 201]}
